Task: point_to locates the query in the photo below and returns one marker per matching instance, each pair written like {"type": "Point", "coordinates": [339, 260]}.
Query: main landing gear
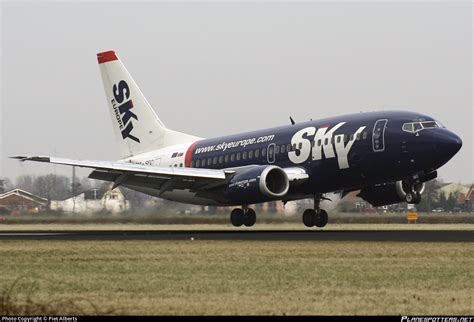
{"type": "Point", "coordinates": [315, 217]}
{"type": "Point", "coordinates": [243, 216]}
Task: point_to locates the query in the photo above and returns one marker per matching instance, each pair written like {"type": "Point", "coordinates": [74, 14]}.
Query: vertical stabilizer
{"type": "Point", "coordinates": [137, 127]}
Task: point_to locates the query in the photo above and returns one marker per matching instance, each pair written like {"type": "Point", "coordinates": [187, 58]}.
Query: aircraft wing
{"type": "Point", "coordinates": [154, 177]}
{"type": "Point", "coordinates": [162, 178]}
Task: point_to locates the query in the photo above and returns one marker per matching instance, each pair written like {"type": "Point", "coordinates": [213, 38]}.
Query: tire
{"type": "Point", "coordinates": [250, 218]}
{"type": "Point", "coordinates": [409, 197]}
{"type": "Point", "coordinates": [309, 217]}
{"type": "Point", "coordinates": [237, 217]}
{"type": "Point", "coordinates": [417, 198]}
{"type": "Point", "coordinates": [321, 218]}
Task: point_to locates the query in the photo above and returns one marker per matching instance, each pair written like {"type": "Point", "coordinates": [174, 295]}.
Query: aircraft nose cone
{"type": "Point", "coordinates": [447, 144]}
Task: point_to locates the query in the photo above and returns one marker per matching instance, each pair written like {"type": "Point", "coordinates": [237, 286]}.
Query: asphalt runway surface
{"type": "Point", "coordinates": [298, 235]}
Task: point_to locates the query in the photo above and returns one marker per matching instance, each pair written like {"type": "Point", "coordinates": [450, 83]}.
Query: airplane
{"type": "Point", "coordinates": [388, 156]}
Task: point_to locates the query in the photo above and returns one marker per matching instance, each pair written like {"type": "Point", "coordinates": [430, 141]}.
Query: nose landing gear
{"type": "Point", "coordinates": [413, 197]}
{"type": "Point", "coordinates": [414, 190]}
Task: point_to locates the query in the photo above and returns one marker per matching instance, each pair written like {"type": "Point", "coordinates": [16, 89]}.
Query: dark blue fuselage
{"type": "Point", "coordinates": [340, 153]}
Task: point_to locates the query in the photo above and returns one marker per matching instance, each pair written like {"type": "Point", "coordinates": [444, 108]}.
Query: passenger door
{"type": "Point", "coordinates": [378, 135]}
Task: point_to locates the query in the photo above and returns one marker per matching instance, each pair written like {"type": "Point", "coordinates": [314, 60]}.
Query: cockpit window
{"type": "Point", "coordinates": [408, 127]}
{"type": "Point", "coordinates": [428, 125]}
{"type": "Point", "coordinates": [417, 127]}
{"type": "Point", "coordinates": [414, 127]}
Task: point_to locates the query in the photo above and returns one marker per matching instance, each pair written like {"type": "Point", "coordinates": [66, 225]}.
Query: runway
{"type": "Point", "coordinates": [262, 235]}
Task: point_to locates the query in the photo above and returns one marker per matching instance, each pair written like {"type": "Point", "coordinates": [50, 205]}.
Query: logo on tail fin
{"type": "Point", "coordinates": [123, 112]}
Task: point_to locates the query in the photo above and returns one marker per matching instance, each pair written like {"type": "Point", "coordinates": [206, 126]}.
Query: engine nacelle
{"type": "Point", "coordinates": [258, 184]}
{"type": "Point", "coordinates": [388, 193]}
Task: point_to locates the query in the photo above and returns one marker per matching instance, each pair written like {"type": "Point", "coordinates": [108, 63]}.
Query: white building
{"type": "Point", "coordinates": [90, 202]}
{"type": "Point", "coordinates": [453, 188]}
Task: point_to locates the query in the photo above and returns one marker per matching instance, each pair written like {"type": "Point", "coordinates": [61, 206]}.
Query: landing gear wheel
{"type": "Point", "coordinates": [250, 217]}
{"type": "Point", "coordinates": [416, 198]}
{"type": "Point", "coordinates": [321, 218]}
{"type": "Point", "coordinates": [409, 197]}
{"type": "Point", "coordinates": [237, 217]}
{"type": "Point", "coordinates": [309, 217]}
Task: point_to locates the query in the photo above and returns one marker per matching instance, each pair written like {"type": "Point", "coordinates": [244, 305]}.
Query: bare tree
{"type": "Point", "coordinates": [25, 182]}
{"type": "Point", "coordinates": [52, 186]}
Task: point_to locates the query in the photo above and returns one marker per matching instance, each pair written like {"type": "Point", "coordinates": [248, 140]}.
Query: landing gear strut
{"type": "Point", "coordinates": [414, 194]}
{"type": "Point", "coordinates": [315, 217]}
{"type": "Point", "coordinates": [243, 216]}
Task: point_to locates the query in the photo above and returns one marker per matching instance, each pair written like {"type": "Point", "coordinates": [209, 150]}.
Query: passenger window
{"type": "Point", "coordinates": [198, 163]}
{"type": "Point", "coordinates": [326, 141]}
{"type": "Point", "coordinates": [175, 165]}
{"type": "Point", "coordinates": [283, 147]}
{"type": "Point", "coordinates": [209, 161]}
{"type": "Point", "coordinates": [232, 157]}
{"type": "Point", "coordinates": [226, 158]}
{"type": "Point", "coordinates": [257, 153]}
{"type": "Point", "coordinates": [221, 159]}
{"type": "Point", "coordinates": [351, 138]}
{"type": "Point", "coordinates": [244, 155]}
{"type": "Point", "coordinates": [238, 156]}
{"type": "Point", "coordinates": [270, 151]}
{"type": "Point", "coordinates": [338, 139]}
{"type": "Point", "coordinates": [277, 149]}
{"type": "Point", "coordinates": [288, 147]}
{"type": "Point", "coordinates": [250, 154]}
{"type": "Point", "coordinates": [214, 160]}
{"type": "Point", "coordinates": [294, 147]}
{"type": "Point", "coordinates": [300, 146]}
{"type": "Point", "coordinates": [364, 136]}
{"type": "Point", "coordinates": [346, 138]}
{"type": "Point", "coordinates": [264, 152]}
{"type": "Point", "coordinates": [319, 142]}
{"type": "Point", "coordinates": [180, 165]}
{"type": "Point", "coordinates": [312, 143]}
{"type": "Point", "coordinates": [192, 164]}
{"type": "Point", "coordinates": [358, 136]}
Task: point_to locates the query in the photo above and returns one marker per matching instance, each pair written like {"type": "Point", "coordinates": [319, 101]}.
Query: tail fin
{"type": "Point", "coordinates": [137, 127]}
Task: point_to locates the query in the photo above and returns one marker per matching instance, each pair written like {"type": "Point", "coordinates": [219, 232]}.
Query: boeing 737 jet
{"type": "Point", "coordinates": [388, 156]}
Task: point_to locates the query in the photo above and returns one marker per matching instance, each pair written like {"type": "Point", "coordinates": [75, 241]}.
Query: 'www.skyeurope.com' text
{"type": "Point", "coordinates": [234, 144]}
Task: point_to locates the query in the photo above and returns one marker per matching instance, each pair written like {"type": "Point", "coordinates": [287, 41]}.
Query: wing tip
{"type": "Point", "coordinates": [23, 158]}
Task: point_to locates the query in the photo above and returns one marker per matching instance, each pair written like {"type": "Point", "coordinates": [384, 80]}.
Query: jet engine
{"type": "Point", "coordinates": [390, 193]}
{"type": "Point", "coordinates": [257, 184]}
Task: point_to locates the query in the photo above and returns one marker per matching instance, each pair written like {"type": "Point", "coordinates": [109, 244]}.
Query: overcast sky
{"type": "Point", "coordinates": [212, 69]}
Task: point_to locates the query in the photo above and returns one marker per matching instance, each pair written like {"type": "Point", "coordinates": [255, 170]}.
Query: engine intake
{"type": "Point", "coordinates": [257, 184]}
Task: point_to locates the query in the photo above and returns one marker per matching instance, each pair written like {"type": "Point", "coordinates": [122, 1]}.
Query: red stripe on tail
{"type": "Point", "coordinates": [106, 56]}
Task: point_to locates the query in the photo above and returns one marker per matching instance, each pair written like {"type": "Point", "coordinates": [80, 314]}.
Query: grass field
{"type": "Point", "coordinates": [236, 277]}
